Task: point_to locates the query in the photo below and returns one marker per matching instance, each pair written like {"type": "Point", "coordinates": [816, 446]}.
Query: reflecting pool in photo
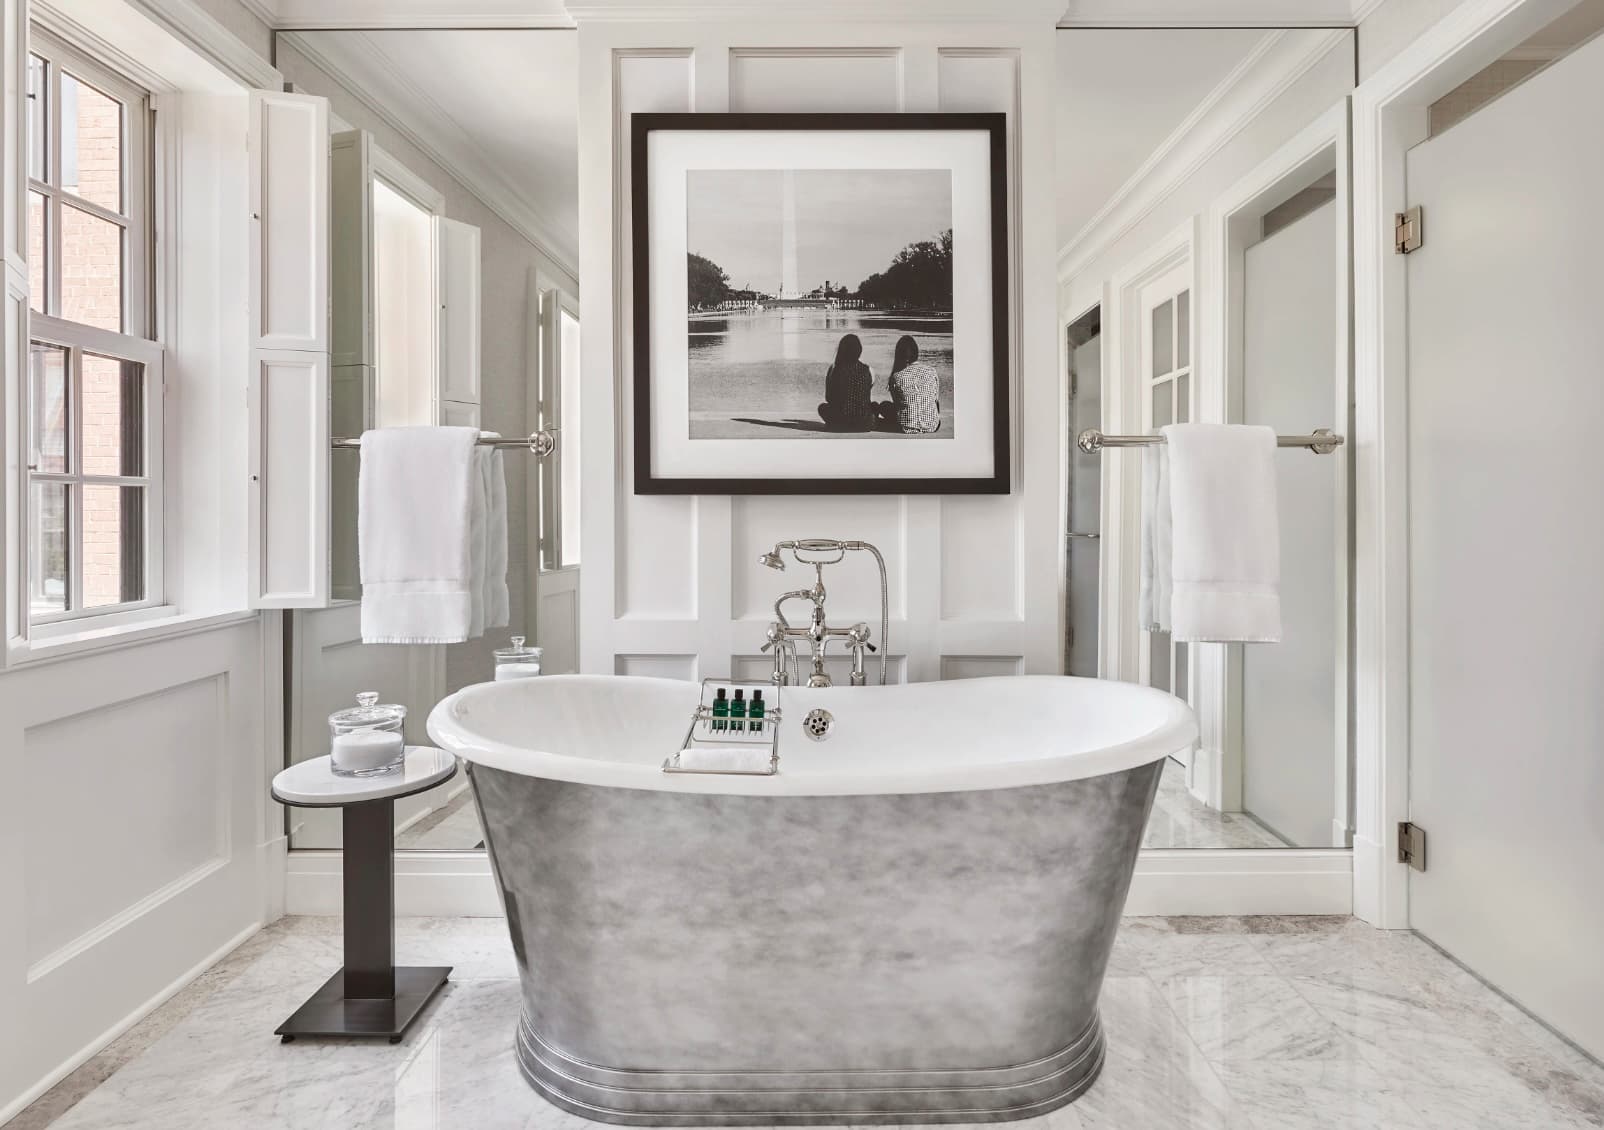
{"type": "Point", "coordinates": [757, 374]}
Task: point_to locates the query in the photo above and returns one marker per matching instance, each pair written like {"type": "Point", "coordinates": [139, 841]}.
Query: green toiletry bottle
{"type": "Point", "coordinates": [755, 712]}
{"type": "Point", "coordinates": [721, 712]}
{"type": "Point", "coordinates": [738, 712]}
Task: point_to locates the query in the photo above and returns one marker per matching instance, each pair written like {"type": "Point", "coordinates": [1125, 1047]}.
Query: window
{"type": "Point", "coordinates": [93, 385]}
{"type": "Point", "coordinates": [559, 410]}
{"type": "Point", "coordinates": [1167, 351]}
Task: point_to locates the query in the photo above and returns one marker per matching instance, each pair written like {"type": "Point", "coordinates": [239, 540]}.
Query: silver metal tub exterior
{"type": "Point", "coordinates": [690, 958]}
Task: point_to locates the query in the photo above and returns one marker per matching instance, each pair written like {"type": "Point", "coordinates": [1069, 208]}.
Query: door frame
{"type": "Point", "coordinates": [1320, 147]}
{"type": "Point", "coordinates": [1389, 116]}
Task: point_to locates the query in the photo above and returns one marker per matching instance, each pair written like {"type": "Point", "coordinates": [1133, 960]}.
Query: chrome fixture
{"type": "Point", "coordinates": [1321, 441]}
{"type": "Point", "coordinates": [817, 724]}
{"type": "Point", "coordinates": [543, 442]}
{"type": "Point", "coordinates": [781, 637]}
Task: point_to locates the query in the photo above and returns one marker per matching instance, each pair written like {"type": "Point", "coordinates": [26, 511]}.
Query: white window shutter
{"type": "Point", "coordinates": [290, 363]}
{"type": "Point", "coordinates": [351, 250]}
{"type": "Point", "coordinates": [456, 259]}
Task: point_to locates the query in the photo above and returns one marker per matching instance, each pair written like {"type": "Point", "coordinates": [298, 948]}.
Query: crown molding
{"type": "Point", "coordinates": [198, 30]}
{"type": "Point", "coordinates": [373, 79]}
{"type": "Point", "coordinates": [817, 12]}
{"type": "Point", "coordinates": [1267, 14]}
{"type": "Point", "coordinates": [377, 15]}
{"type": "Point", "coordinates": [1275, 63]}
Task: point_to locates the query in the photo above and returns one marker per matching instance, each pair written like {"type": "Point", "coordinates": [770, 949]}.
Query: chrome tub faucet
{"type": "Point", "coordinates": [781, 637]}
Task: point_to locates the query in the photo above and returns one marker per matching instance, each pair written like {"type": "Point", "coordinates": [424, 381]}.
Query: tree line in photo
{"type": "Point", "coordinates": [918, 278]}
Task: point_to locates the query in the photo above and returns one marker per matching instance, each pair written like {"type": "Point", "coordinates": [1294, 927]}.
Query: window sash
{"type": "Point", "coordinates": [77, 340]}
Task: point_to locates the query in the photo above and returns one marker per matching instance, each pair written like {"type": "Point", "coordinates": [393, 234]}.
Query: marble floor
{"type": "Point", "coordinates": [1256, 1023]}
{"type": "Point", "coordinates": [1180, 820]}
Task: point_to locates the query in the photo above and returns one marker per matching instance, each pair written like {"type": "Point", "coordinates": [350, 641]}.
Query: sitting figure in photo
{"type": "Point", "coordinates": [913, 408]}
{"type": "Point", "coordinates": [847, 405]}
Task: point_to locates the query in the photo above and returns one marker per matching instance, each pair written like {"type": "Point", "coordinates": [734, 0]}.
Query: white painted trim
{"type": "Point", "coordinates": [817, 12]}
{"type": "Point", "coordinates": [1242, 881]}
{"type": "Point", "coordinates": [102, 638]}
{"type": "Point", "coordinates": [349, 14]}
{"type": "Point", "coordinates": [94, 1047]}
{"type": "Point", "coordinates": [1272, 67]}
{"type": "Point", "coordinates": [190, 24]}
{"type": "Point", "coordinates": [374, 80]}
{"type": "Point", "coordinates": [1215, 13]}
{"type": "Point", "coordinates": [427, 883]}
{"type": "Point", "coordinates": [1389, 115]}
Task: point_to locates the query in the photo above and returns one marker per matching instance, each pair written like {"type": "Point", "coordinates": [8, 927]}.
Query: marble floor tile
{"type": "Point", "coordinates": [1212, 1024]}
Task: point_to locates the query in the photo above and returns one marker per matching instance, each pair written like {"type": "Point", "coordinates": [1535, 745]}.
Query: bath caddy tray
{"type": "Point", "coordinates": [702, 733]}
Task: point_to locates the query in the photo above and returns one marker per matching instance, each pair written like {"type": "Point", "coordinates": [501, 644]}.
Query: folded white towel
{"type": "Point", "coordinates": [415, 494]}
{"type": "Point", "coordinates": [1226, 551]}
{"type": "Point", "coordinates": [753, 759]}
{"type": "Point", "coordinates": [1153, 612]}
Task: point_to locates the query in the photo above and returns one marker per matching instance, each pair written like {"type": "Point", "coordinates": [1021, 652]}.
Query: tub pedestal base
{"type": "Point", "coordinates": [781, 1098]}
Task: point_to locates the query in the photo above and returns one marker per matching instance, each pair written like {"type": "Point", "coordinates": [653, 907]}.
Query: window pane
{"type": "Point", "coordinates": [1183, 399]}
{"type": "Point", "coordinates": [38, 93]}
{"type": "Point", "coordinates": [1183, 681]}
{"type": "Point", "coordinates": [38, 280]}
{"type": "Point", "coordinates": [47, 549]}
{"type": "Point", "coordinates": [91, 270]}
{"type": "Point", "coordinates": [1163, 339]}
{"type": "Point", "coordinates": [91, 144]}
{"type": "Point", "coordinates": [1183, 329]}
{"type": "Point", "coordinates": [48, 407]}
{"type": "Point", "coordinates": [113, 544]}
{"type": "Point", "coordinates": [568, 439]}
{"type": "Point", "coordinates": [113, 432]}
{"type": "Point", "coordinates": [1161, 404]}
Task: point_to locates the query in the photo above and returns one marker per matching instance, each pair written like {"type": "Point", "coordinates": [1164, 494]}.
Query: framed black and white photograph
{"type": "Point", "coordinates": [820, 303]}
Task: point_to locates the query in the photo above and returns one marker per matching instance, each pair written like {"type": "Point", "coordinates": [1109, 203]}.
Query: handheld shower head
{"type": "Point", "coordinates": [773, 560]}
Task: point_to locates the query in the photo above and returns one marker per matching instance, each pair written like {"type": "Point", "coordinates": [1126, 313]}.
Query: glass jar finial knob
{"type": "Point", "coordinates": [367, 698]}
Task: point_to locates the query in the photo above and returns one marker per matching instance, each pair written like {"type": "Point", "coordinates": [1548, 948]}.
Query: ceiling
{"type": "Point", "coordinates": [1121, 94]}
{"type": "Point", "coordinates": [500, 109]}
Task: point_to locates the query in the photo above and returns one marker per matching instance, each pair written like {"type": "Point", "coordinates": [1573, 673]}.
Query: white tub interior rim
{"type": "Point", "coordinates": [989, 733]}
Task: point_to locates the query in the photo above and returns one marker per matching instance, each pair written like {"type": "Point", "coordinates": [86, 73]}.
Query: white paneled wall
{"type": "Point", "coordinates": [673, 584]}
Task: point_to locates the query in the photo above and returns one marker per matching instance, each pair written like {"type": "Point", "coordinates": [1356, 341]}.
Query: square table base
{"type": "Point", "coordinates": [330, 1012]}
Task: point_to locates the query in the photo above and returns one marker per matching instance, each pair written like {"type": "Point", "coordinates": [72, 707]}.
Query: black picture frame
{"type": "Point", "coordinates": [643, 125]}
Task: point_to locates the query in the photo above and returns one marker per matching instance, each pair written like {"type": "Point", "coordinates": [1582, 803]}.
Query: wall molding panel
{"type": "Point", "coordinates": [676, 577]}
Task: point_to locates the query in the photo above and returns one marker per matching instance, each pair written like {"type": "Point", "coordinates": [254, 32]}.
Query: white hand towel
{"type": "Point", "coordinates": [415, 493]}
{"type": "Point", "coordinates": [1226, 555]}
{"type": "Point", "coordinates": [753, 760]}
{"type": "Point", "coordinates": [1153, 611]}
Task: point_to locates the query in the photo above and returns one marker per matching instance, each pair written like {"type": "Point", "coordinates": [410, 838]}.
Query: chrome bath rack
{"type": "Point", "coordinates": [1321, 441]}
{"type": "Point", "coordinates": [702, 735]}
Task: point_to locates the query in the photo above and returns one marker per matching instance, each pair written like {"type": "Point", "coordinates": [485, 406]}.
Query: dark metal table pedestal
{"type": "Point", "coordinates": [369, 996]}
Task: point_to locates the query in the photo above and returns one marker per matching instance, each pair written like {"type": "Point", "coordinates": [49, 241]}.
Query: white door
{"type": "Point", "coordinates": [554, 486]}
{"type": "Point", "coordinates": [1293, 746]}
{"type": "Point", "coordinates": [1506, 543]}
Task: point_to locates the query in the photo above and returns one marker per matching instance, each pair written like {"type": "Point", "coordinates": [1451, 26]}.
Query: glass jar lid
{"type": "Point", "coordinates": [369, 712]}
{"type": "Point", "coordinates": [517, 651]}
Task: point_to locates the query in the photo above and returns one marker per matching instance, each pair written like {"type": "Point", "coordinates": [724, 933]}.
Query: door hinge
{"type": "Point", "coordinates": [1408, 231]}
{"type": "Point", "coordinates": [1412, 845]}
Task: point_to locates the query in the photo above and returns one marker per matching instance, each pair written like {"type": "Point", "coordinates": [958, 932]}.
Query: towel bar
{"type": "Point", "coordinates": [1321, 441]}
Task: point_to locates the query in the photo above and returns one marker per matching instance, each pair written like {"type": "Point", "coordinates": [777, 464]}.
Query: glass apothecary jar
{"type": "Point", "coordinates": [365, 739]}
{"type": "Point", "coordinates": [517, 661]}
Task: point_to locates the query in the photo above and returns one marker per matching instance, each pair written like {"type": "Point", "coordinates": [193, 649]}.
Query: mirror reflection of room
{"type": "Point", "coordinates": [1226, 181]}
{"type": "Point", "coordinates": [455, 301]}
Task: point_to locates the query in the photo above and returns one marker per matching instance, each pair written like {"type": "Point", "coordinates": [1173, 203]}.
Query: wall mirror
{"type": "Point", "coordinates": [1203, 276]}
{"type": "Point", "coordinates": [454, 251]}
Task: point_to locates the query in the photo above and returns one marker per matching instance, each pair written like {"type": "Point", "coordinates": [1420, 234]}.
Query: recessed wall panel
{"type": "Point", "coordinates": [980, 666]}
{"type": "Point", "coordinates": [978, 79]}
{"type": "Point", "coordinates": [818, 80]}
{"type": "Point", "coordinates": [980, 558]}
{"type": "Point", "coordinates": [120, 802]}
{"type": "Point", "coordinates": [656, 666]}
{"type": "Point", "coordinates": [853, 586]}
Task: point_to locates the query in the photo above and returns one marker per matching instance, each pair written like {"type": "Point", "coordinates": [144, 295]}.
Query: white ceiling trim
{"type": "Point", "coordinates": [196, 28]}
{"type": "Point", "coordinates": [1274, 64]}
{"type": "Point", "coordinates": [374, 80]}
{"type": "Point", "coordinates": [1216, 13]}
{"type": "Point", "coordinates": [816, 12]}
{"type": "Point", "coordinates": [375, 15]}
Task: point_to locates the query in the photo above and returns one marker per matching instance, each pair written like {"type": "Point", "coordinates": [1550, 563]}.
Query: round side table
{"type": "Point", "coordinates": [368, 996]}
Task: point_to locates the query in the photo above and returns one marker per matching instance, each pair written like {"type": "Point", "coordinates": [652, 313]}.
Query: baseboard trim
{"type": "Point", "coordinates": [1242, 881]}
{"type": "Point", "coordinates": [101, 1042]}
{"type": "Point", "coordinates": [446, 884]}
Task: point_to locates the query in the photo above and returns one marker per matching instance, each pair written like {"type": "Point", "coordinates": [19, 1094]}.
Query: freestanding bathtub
{"type": "Point", "coordinates": [908, 923]}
